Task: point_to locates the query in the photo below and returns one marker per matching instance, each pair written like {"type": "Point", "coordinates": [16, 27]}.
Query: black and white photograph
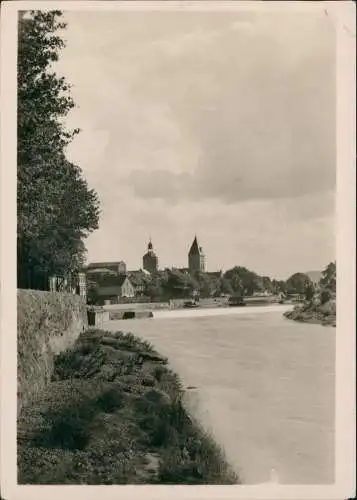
{"type": "Point", "coordinates": [177, 275]}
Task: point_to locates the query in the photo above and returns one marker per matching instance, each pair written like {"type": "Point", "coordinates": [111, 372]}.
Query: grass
{"type": "Point", "coordinates": [113, 414]}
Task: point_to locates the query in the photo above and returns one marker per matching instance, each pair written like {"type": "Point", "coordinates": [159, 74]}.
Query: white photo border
{"type": "Point", "coordinates": [343, 14]}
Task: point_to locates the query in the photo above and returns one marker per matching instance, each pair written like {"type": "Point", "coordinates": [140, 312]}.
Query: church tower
{"type": "Point", "coordinates": [196, 258]}
{"type": "Point", "coordinates": [150, 260]}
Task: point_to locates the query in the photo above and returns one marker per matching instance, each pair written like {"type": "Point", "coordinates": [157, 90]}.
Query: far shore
{"type": "Point", "coordinates": [220, 311]}
{"type": "Point", "coordinates": [197, 312]}
{"type": "Point", "coordinates": [203, 304]}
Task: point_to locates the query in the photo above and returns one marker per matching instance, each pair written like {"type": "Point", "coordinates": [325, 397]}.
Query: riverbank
{"type": "Point", "coordinates": [113, 414]}
{"type": "Point", "coordinates": [323, 314]}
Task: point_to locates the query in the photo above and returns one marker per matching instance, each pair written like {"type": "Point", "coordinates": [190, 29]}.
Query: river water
{"type": "Point", "coordinates": [263, 386]}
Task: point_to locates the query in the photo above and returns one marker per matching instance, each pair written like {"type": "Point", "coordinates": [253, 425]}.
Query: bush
{"type": "Point", "coordinates": [111, 400]}
{"type": "Point", "coordinates": [325, 296]}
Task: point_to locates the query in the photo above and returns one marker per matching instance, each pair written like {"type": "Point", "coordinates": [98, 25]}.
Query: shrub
{"type": "Point", "coordinates": [111, 399]}
{"type": "Point", "coordinates": [325, 296]}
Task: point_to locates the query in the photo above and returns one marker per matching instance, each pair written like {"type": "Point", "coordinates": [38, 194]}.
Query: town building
{"type": "Point", "coordinates": [196, 258]}
{"type": "Point", "coordinates": [72, 283]}
{"type": "Point", "coordinates": [150, 259]}
{"type": "Point", "coordinates": [139, 279]}
{"type": "Point", "coordinates": [114, 288]}
{"type": "Point", "coordinates": [117, 267]}
{"type": "Point", "coordinates": [100, 273]}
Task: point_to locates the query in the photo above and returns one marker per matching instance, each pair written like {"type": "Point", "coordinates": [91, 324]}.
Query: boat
{"type": "Point", "coordinates": [236, 301]}
{"type": "Point", "coordinates": [190, 303]}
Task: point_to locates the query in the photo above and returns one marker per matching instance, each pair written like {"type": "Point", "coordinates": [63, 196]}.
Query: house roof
{"type": "Point", "coordinates": [138, 277]}
{"type": "Point", "coordinates": [96, 265]}
{"type": "Point", "coordinates": [116, 280]}
{"type": "Point", "coordinates": [121, 279]}
{"type": "Point", "coordinates": [100, 270]}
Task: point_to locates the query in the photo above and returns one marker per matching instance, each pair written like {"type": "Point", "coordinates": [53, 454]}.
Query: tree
{"type": "Point", "coordinates": [328, 278]}
{"type": "Point", "coordinates": [327, 283]}
{"type": "Point", "coordinates": [267, 284]}
{"type": "Point", "coordinates": [297, 283]}
{"type": "Point", "coordinates": [155, 287]}
{"type": "Point", "coordinates": [243, 281]}
{"type": "Point", "coordinates": [224, 286]}
{"type": "Point", "coordinates": [56, 209]}
{"type": "Point", "coordinates": [309, 291]}
{"type": "Point", "coordinates": [92, 293]}
{"type": "Point", "coordinates": [179, 284]}
{"type": "Point", "coordinates": [278, 286]}
{"type": "Point", "coordinates": [207, 284]}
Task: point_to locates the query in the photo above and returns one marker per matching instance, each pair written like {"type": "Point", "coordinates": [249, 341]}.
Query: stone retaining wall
{"type": "Point", "coordinates": [47, 324]}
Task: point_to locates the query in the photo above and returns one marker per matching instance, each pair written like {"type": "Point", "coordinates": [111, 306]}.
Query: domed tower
{"type": "Point", "coordinates": [150, 260]}
{"type": "Point", "coordinates": [196, 258]}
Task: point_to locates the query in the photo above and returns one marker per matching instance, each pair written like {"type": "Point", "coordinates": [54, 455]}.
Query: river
{"type": "Point", "coordinates": [262, 384]}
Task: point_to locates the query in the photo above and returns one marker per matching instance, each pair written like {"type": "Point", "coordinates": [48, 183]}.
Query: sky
{"type": "Point", "coordinates": [217, 124]}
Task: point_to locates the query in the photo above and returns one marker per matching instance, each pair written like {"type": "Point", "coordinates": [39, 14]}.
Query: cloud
{"type": "Point", "coordinates": [160, 184]}
{"type": "Point", "coordinates": [217, 123]}
{"type": "Point", "coordinates": [261, 117]}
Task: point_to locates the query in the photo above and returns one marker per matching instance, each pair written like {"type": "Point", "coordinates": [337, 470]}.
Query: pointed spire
{"type": "Point", "coordinates": [194, 247]}
{"type": "Point", "coordinates": [150, 243]}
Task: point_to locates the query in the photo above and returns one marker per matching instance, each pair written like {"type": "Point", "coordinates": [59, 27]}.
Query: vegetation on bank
{"type": "Point", "coordinates": [324, 314]}
{"type": "Point", "coordinates": [113, 414]}
{"type": "Point", "coordinates": [320, 306]}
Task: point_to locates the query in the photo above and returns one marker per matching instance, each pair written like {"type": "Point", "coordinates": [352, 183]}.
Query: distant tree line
{"type": "Point", "coordinates": [239, 281]}
{"type": "Point", "coordinates": [56, 209]}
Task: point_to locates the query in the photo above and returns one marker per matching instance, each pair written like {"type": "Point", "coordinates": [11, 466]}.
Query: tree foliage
{"type": "Point", "coordinates": [327, 283]}
{"type": "Point", "coordinates": [243, 281]}
{"type": "Point", "coordinates": [56, 209]}
{"type": "Point", "coordinates": [328, 278]}
{"type": "Point", "coordinates": [92, 293]}
{"type": "Point", "coordinates": [224, 287]}
{"type": "Point", "coordinates": [309, 291]}
{"type": "Point", "coordinates": [278, 286]}
{"type": "Point", "coordinates": [179, 284]}
{"type": "Point", "coordinates": [206, 284]}
{"type": "Point", "coordinates": [298, 283]}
